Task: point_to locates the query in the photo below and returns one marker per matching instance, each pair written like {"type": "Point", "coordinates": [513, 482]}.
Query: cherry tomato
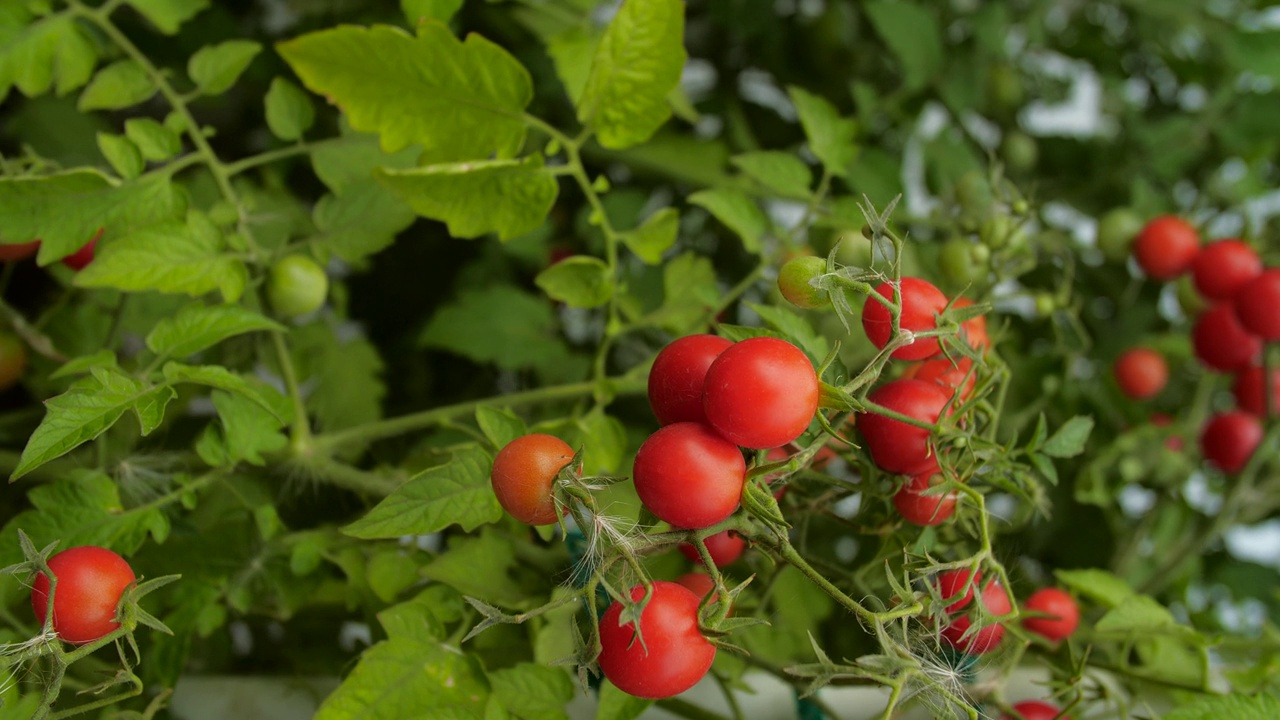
{"type": "Point", "coordinates": [895, 446]}
{"type": "Point", "coordinates": [1221, 342]}
{"type": "Point", "coordinates": [761, 393]}
{"type": "Point", "coordinates": [962, 261]}
{"type": "Point", "coordinates": [19, 251]}
{"type": "Point", "coordinates": [1036, 710]}
{"type": "Point", "coordinates": [673, 656]}
{"type": "Point", "coordinates": [1223, 267]}
{"type": "Point", "coordinates": [296, 286]}
{"type": "Point", "coordinates": [920, 509]}
{"type": "Point", "coordinates": [1229, 439]}
{"type": "Point", "coordinates": [1251, 393]}
{"type": "Point", "coordinates": [973, 330]}
{"type": "Point", "coordinates": [724, 547]}
{"type": "Point", "coordinates": [699, 583]}
{"type": "Point", "coordinates": [1061, 609]}
{"type": "Point", "coordinates": [953, 375]}
{"type": "Point", "coordinates": [921, 305]}
{"type": "Point", "coordinates": [91, 581]}
{"type": "Point", "coordinates": [1257, 304]}
{"type": "Point", "coordinates": [1116, 231]}
{"type": "Point", "coordinates": [1166, 247]}
{"type": "Point", "coordinates": [523, 474]}
{"type": "Point", "coordinates": [677, 377]}
{"type": "Point", "coordinates": [79, 259]}
{"type": "Point", "coordinates": [13, 360]}
{"type": "Point", "coordinates": [689, 476]}
{"type": "Point", "coordinates": [1140, 372]}
{"type": "Point", "coordinates": [994, 599]}
{"type": "Point", "coordinates": [794, 282]}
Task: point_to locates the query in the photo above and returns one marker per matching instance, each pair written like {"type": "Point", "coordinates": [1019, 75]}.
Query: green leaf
{"type": "Point", "coordinates": [149, 408]}
{"type": "Point", "coordinates": [219, 377]}
{"type": "Point", "coordinates": [407, 678]}
{"type": "Point", "coordinates": [637, 64]}
{"type": "Point", "coordinates": [391, 572]}
{"type": "Point", "coordinates": [190, 258]}
{"type": "Point", "coordinates": [347, 165]}
{"type": "Point", "coordinates": [247, 428]}
{"type": "Point", "coordinates": [344, 373]}
{"type": "Point", "coordinates": [533, 692]}
{"type": "Point", "coordinates": [913, 34]}
{"type": "Point", "coordinates": [737, 211]}
{"type": "Point", "coordinates": [122, 154]}
{"type": "Point", "coordinates": [1254, 52]}
{"type": "Point", "coordinates": [361, 221]}
{"type": "Point", "coordinates": [603, 441]}
{"type": "Point", "coordinates": [655, 236]}
{"type": "Point", "coordinates": [580, 281]}
{"type": "Point", "coordinates": [52, 52]}
{"type": "Point", "coordinates": [617, 705]}
{"type": "Point", "coordinates": [499, 324]}
{"type": "Point", "coordinates": [289, 110]}
{"type": "Point", "coordinates": [830, 135]}
{"type": "Point", "coordinates": [480, 567]}
{"type": "Point", "coordinates": [85, 363]}
{"type": "Point", "coordinates": [456, 492]}
{"type": "Point", "coordinates": [199, 326]}
{"type": "Point", "coordinates": [1136, 614]}
{"type": "Point", "coordinates": [509, 197]}
{"type": "Point", "coordinates": [500, 426]}
{"type": "Point", "coordinates": [119, 85]}
{"type": "Point", "coordinates": [689, 293]}
{"type": "Point", "coordinates": [215, 68]}
{"type": "Point", "coordinates": [573, 51]}
{"type": "Point", "coordinates": [780, 172]}
{"type": "Point", "coordinates": [155, 141]}
{"type": "Point", "coordinates": [1235, 707]}
{"type": "Point", "coordinates": [796, 329]}
{"type": "Point", "coordinates": [1070, 438]}
{"type": "Point", "coordinates": [459, 101]}
{"type": "Point", "coordinates": [415, 11]}
{"type": "Point", "coordinates": [169, 15]}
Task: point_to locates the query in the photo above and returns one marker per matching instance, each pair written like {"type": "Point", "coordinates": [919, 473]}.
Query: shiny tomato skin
{"type": "Point", "coordinates": [19, 251]}
{"type": "Point", "coordinates": [895, 446]}
{"type": "Point", "coordinates": [924, 510]}
{"type": "Point", "coordinates": [689, 476]}
{"type": "Point", "coordinates": [699, 583]}
{"type": "Point", "coordinates": [1140, 372]}
{"type": "Point", "coordinates": [13, 360]}
{"type": "Point", "coordinates": [1257, 305]}
{"type": "Point", "coordinates": [523, 474]}
{"type": "Point", "coordinates": [724, 547]}
{"type": "Point", "coordinates": [922, 302]}
{"type": "Point", "coordinates": [91, 581]}
{"type": "Point", "coordinates": [1223, 267]}
{"type": "Point", "coordinates": [955, 586]}
{"type": "Point", "coordinates": [995, 599]}
{"type": "Point", "coordinates": [1221, 342]}
{"type": "Point", "coordinates": [761, 393]}
{"type": "Point", "coordinates": [81, 258]}
{"type": "Point", "coordinates": [1229, 439]}
{"type": "Point", "coordinates": [951, 374]}
{"type": "Point", "coordinates": [1036, 710]}
{"type": "Point", "coordinates": [677, 377]}
{"type": "Point", "coordinates": [674, 655]}
{"type": "Point", "coordinates": [794, 282]}
{"type": "Point", "coordinates": [1064, 614]}
{"type": "Point", "coordinates": [1250, 390]}
{"type": "Point", "coordinates": [1166, 247]}
{"type": "Point", "coordinates": [973, 330]}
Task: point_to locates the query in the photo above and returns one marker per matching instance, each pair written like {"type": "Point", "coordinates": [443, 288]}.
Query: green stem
{"type": "Point", "coordinates": [300, 430]}
{"type": "Point", "coordinates": [266, 158]}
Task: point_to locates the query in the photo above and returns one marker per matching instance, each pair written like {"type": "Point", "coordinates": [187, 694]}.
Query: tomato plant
{"type": "Point", "coordinates": [524, 474]}
{"type": "Point", "coordinates": [921, 303]}
{"type": "Point", "coordinates": [963, 633]}
{"type": "Point", "coordinates": [678, 375]}
{"type": "Point", "coordinates": [1061, 614]}
{"type": "Point", "coordinates": [761, 393]}
{"type": "Point", "coordinates": [668, 654]}
{"type": "Point", "coordinates": [688, 475]}
{"type": "Point", "coordinates": [895, 445]}
{"type": "Point", "coordinates": [91, 581]}
{"type": "Point", "coordinates": [919, 507]}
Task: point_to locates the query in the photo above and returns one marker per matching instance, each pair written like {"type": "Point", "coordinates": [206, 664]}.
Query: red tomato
{"type": "Point", "coordinates": [974, 330]}
{"type": "Point", "coordinates": [1221, 342]}
{"type": "Point", "coordinates": [699, 583]}
{"type": "Point", "coordinates": [1063, 614]}
{"type": "Point", "coordinates": [994, 599]}
{"type": "Point", "coordinates": [19, 251]}
{"type": "Point", "coordinates": [1140, 372]}
{"type": "Point", "coordinates": [761, 393]}
{"type": "Point", "coordinates": [1224, 267]}
{"type": "Point", "coordinates": [895, 446]}
{"type": "Point", "coordinates": [1166, 247]}
{"type": "Point", "coordinates": [920, 509]}
{"type": "Point", "coordinates": [724, 547]}
{"type": "Point", "coordinates": [1257, 304]}
{"type": "Point", "coordinates": [1036, 710]}
{"type": "Point", "coordinates": [689, 476]}
{"type": "Point", "coordinates": [523, 474]}
{"type": "Point", "coordinates": [673, 656]}
{"type": "Point", "coordinates": [677, 377]}
{"type": "Point", "coordinates": [1229, 439]}
{"type": "Point", "coordinates": [954, 376]}
{"type": "Point", "coordinates": [91, 581]}
{"type": "Point", "coordinates": [921, 305]}
{"type": "Point", "coordinates": [954, 586]}
{"type": "Point", "coordinates": [82, 257]}
{"type": "Point", "coordinates": [1251, 392]}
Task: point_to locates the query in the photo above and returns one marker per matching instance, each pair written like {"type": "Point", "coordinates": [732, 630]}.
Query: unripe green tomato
{"type": "Point", "coordinates": [1046, 303]}
{"type": "Point", "coordinates": [1002, 231]}
{"type": "Point", "coordinates": [1116, 231]}
{"type": "Point", "coordinates": [794, 282]}
{"type": "Point", "coordinates": [296, 286]}
{"type": "Point", "coordinates": [13, 360]}
{"type": "Point", "coordinates": [1005, 87]}
{"type": "Point", "coordinates": [1020, 151]}
{"type": "Point", "coordinates": [974, 195]}
{"type": "Point", "coordinates": [961, 262]}
{"type": "Point", "coordinates": [1190, 299]}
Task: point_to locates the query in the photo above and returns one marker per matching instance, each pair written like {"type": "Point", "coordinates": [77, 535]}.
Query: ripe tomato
{"type": "Point", "coordinates": [91, 581]}
{"type": "Point", "coordinates": [920, 509]}
{"type": "Point", "coordinates": [1140, 372]}
{"type": "Point", "coordinates": [1036, 710]}
{"type": "Point", "coordinates": [1257, 304]}
{"type": "Point", "coordinates": [954, 376]}
{"type": "Point", "coordinates": [1251, 392]}
{"type": "Point", "coordinates": [677, 377]}
{"type": "Point", "coordinates": [954, 586]}
{"type": "Point", "coordinates": [921, 304]}
{"type": "Point", "coordinates": [689, 476]}
{"type": "Point", "coordinates": [794, 282]}
{"type": "Point", "coordinates": [994, 599]}
{"type": "Point", "coordinates": [724, 547]}
{"type": "Point", "coordinates": [1223, 267]}
{"type": "Point", "coordinates": [1166, 247]}
{"type": "Point", "coordinates": [699, 583]}
{"type": "Point", "coordinates": [523, 474]}
{"type": "Point", "coordinates": [13, 360]}
{"type": "Point", "coordinates": [761, 393]}
{"type": "Point", "coordinates": [673, 656]}
{"type": "Point", "coordinates": [79, 259]}
{"type": "Point", "coordinates": [1221, 342]}
{"type": "Point", "coordinates": [296, 286]}
{"type": "Point", "coordinates": [19, 251]}
{"type": "Point", "coordinates": [974, 330]}
{"type": "Point", "coordinates": [1063, 614]}
{"type": "Point", "coordinates": [1229, 439]}
{"type": "Point", "coordinates": [895, 446]}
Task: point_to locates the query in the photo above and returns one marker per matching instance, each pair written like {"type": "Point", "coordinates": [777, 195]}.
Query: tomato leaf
{"type": "Point", "coordinates": [289, 111]}
{"type": "Point", "coordinates": [248, 428]}
{"type": "Point", "coordinates": [117, 86]}
{"type": "Point", "coordinates": [155, 141]}
{"type": "Point", "coordinates": [409, 677]}
{"type": "Point", "coordinates": [168, 15]}
{"type": "Point", "coordinates": [913, 34]}
{"type": "Point", "coordinates": [345, 375]}
{"type": "Point", "coordinates": [484, 565]}
{"type": "Point", "coordinates": [617, 705]}
{"type": "Point", "coordinates": [655, 236]}
{"type": "Point", "coordinates": [215, 68]}
{"type": "Point", "coordinates": [360, 222]}
{"type": "Point", "coordinates": [53, 52]}
{"type": "Point", "coordinates": [499, 324]}
{"type": "Point", "coordinates": [123, 155]}
{"type": "Point", "coordinates": [219, 377]}
{"type": "Point", "coordinates": [535, 692]}
{"type": "Point", "coordinates": [198, 326]}
{"type": "Point", "coordinates": [780, 172]}
{"type": "Point", "coordinates": [1262, 706]}
{"type": "Point", "coordinates": [830, 135]}
{"type": "Point", "coordinates": [1069, 439]}
{"type": "Point", "coordinates": [499, 425]}
{"type": "Point", "coordinates": [415, 11]}
{"type": "Point", "coordinates": [689, 293]}
{"type": "Point", "coordinates": [737, 211]}
{"type": "Point", "coordinates": [581, 281]}
{"type": "Point", "coordinates": [458, 492]}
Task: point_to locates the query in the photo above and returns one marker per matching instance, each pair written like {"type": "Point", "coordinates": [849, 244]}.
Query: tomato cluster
{"type": "Point", "coordinates": [975, 627]}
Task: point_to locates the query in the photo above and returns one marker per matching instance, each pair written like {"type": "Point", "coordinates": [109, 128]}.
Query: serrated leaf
{"type": "Point", "coordinates": [407, 678]}
{"type": "Point", "coordinates": [580, 281]}
{"type": "Point", "coordinates": [636, 65]}
{"type": "Point", "coordinates": [655, 236]}
{"type": "Point", "coordinates": [155, 141]}
{"type": "Point", "coordinates": [289, 110]}
{"type": "Point", "coordinates": [122, 154]}
{"type": "Point", "coordinates": [51, 52]}
{"type": "Point", "coordinates": [219, 377]}
{"type": "Point", "coordinates": [498, 324]}
{"type": "Point", "coordinates": [85, 363]}
{"type": "Point", "coordinates": [149, 408]}
{"type": "Point", "coordinates": [499, 425]}
{"type": "Point", "coordinates": [533, 692]}
{"type": "Point", "coordinates": [737, 211]}
{"type": "Point", "coordinates": [361, 221]}
{"type": "Point", "coordinates": [507, 197]}
{"type": "Point", "coordinates": [215, 68]}
{"type": "Point", "coordinates": [248, 429]}
{"type": "Point", "coordinates": [1236, 707]}
{"type": "Point", "coordinates": [197, 327]}
{"type": "Point", "coordinates": [458, 492]}
{"type": "Point", "coordinates": [912, 32]}
{"type": "Point", "coordinates": [168, 15]}
{"type": "Point", "coordinates": [781, 172]}
{"type": "Point", "coordinates": [830, 135]}
{"type": "Point", "coordinates": [119, 85]}
{"type": "Point", "coordinates": [457, 100]}
{"type": "Point", "coordinates": [1069, 439]}
{"type": "Point", "coordinates": [86, 410]}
